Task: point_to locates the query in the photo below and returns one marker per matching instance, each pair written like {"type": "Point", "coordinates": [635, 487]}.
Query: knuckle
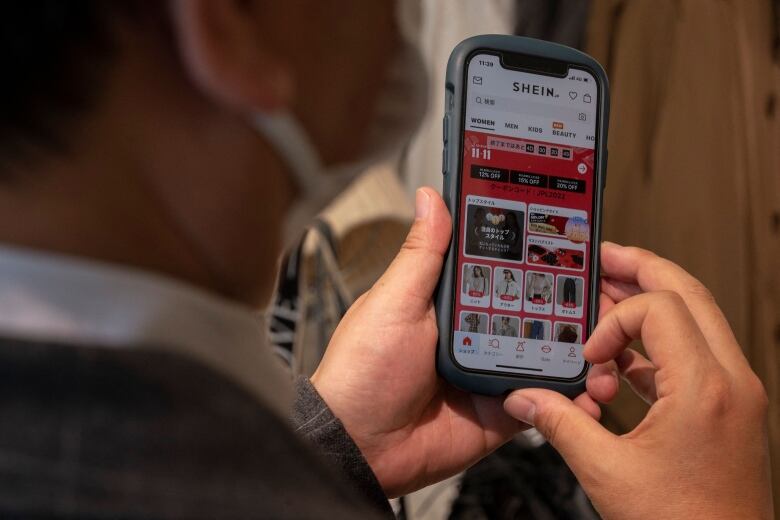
{"type": "Point", "coordinates": [550, 425]}
{"type": "Point", "coordinates": [643, 255]}
{"type": "Point", "coordinates": [414, 242]}
{"type": "Point", "coordinates": [669, 298]}
{"type": "Point", "coordinates": [646, 260]}
{"type": "Point", "coordinates": [688, 284]}
{"type": "Point", "coordinates": [717, 397]}
{"type": "Point", "coordinates": [700, 291]}
{"type": "Point", "coordinates": [756, 395]}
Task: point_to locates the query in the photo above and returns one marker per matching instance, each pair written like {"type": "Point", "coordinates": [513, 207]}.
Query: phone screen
{"type": "Point", "coordinates": [525, 221]}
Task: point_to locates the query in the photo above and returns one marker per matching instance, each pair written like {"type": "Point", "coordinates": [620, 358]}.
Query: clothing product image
{"type": "Point", "coordinates": [476, 286]}
{"type": "Point", "coordinates": [473, 321]}
{"type": "Point", "coordinates": [539, 287]}
{"type": "Point", "coordinates": [570, 292]}
{"type": "Point", "coordinates": [508, 290]}
{"type": "Point", "coordinates": [534, 329]}
{"type": "Point", "coordinates": [504, 330]}
{"type": "Point", "coordinates": [567, 334]}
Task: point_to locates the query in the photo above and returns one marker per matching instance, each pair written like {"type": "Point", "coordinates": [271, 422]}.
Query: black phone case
{"type": "Point", "coordinates": [474, 381]}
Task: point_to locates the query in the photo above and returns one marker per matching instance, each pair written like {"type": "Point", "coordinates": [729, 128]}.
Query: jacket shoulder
{"type": "Point", "coordinates": [142, 433]}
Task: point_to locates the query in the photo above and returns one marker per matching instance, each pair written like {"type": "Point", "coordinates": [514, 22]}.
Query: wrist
{"type": "Point", "coordinates": [367, 443]}
{"type": "Point", "coordinates": [318, 424]}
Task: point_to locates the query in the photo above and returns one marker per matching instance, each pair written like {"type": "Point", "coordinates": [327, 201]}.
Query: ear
{"type": "Point", "coordinates": [223, 52]}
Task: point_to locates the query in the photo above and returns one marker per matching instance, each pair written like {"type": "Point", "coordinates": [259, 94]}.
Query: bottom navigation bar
{"type": "Point", "coordinates": [520, 355]}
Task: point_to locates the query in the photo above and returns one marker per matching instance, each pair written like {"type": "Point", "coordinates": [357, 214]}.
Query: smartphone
{"type": "Point", "coordinates": [525, 133]}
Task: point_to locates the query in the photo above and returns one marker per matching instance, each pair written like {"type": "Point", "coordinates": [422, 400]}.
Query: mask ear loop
{"type": "Point", "coordinates": [409, 15]}
{"type": "Point", "coordinates": [297, 151]}
{"type": "Point", "coordinates": [318, 186]}
{"type": "Point", "coordinates": [293, 144]}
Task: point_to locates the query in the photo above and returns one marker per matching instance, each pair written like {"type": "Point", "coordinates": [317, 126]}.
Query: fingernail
{"type": "Point", "coordinates": [521, 408]}
{"type": "Point", "coordinates": [609, 244]}
{"type": "Point", "coordinates": [422, 205]}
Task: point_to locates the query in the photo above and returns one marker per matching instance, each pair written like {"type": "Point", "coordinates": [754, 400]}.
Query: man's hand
{"type": "Point", "coordinates": [379, 375]}
{"type": "Point", "coordinates": [701, 451]}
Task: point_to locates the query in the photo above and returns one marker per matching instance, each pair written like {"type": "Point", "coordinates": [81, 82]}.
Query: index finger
{"type": "Point", "coordinates": [650, 272]}
{"type": "Point", "coordinates": [668, 331]}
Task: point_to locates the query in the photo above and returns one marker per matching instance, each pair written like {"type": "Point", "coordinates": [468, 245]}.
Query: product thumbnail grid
{"type": "Point", "coordinates": [524, 246]}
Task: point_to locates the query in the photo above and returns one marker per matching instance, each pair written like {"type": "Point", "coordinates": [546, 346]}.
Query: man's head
{"type": "Point", "coordinates": [124, 131]}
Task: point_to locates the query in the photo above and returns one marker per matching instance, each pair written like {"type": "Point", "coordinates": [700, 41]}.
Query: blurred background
{"type": "Point", "coordinates": [693, 175]}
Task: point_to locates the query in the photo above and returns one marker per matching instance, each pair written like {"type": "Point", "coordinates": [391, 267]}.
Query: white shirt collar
{"type": "Point", "coordinates": [49, 297]}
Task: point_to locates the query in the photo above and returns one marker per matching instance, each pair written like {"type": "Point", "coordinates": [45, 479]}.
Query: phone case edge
{"type": "Point", "coordinates": [491, 384]}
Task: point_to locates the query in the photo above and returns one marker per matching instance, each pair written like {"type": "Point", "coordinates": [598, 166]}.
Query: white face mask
{"type": "Point", "coordinates": [399, 110]}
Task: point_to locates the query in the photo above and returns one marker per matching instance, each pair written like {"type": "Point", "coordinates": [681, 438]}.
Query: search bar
{"type": "Point", "coordinates": [532, 108]}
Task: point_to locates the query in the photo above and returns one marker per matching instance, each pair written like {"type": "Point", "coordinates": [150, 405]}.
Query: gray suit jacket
{"type": "Point", "coordinates": [142, 434]}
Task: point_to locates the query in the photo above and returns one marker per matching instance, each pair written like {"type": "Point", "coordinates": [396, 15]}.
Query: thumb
{"type": "Point", "coordinates": [410, 280]}
{"type": "Point", "coordinates": [577, 436]}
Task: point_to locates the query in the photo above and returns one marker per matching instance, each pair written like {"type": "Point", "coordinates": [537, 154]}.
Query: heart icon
{"type": "Point", "coordinates": [572, 95]}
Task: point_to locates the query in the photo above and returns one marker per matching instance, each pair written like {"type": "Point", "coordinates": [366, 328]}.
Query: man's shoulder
{"type": "Point", "coordinates": [144, 433]}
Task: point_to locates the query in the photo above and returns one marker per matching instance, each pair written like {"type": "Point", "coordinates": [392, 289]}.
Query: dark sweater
{"type": "Point", "coordinates": [143, 434]}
